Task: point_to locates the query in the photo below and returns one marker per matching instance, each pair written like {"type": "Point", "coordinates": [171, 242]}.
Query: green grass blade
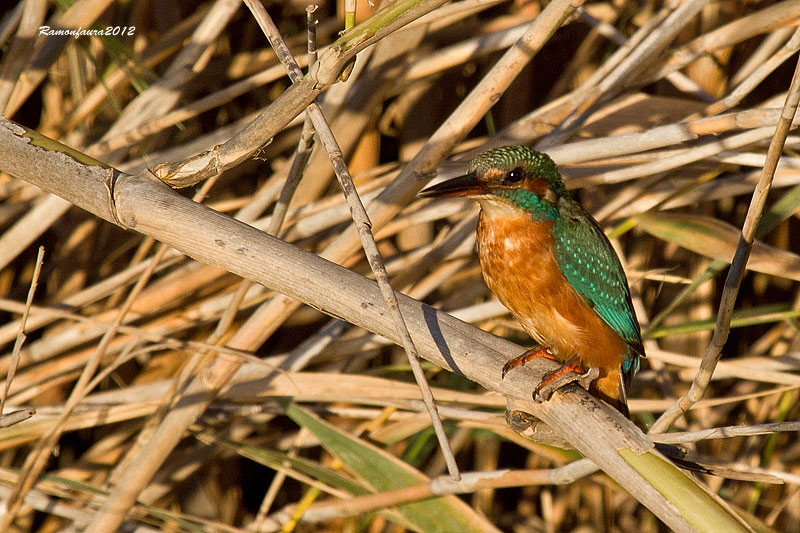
{"type": "Point", "coordinates": [386, 472]}
{"type": "Point", "coordinates": [746, 317]}
{"type": "Point", "coordinates": [716, 239]}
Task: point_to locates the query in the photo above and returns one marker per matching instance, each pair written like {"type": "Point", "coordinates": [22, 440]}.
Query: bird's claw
{"type": "Point", "coordinates": [530, 355]}
{"type": "Point", "coordinates": [551, 383]}
{"type": "Point", "coordinates": [507, 367]}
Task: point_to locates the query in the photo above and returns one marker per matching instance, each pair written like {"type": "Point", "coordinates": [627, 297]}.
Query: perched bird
{"type": "Point", "coordinates": [551, 265]}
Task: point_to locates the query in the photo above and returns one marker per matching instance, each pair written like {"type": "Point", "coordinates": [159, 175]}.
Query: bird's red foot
{"type": "Point", "coordinates": [570, 372]}
{"type": "Point", "coordinates": [530, 355]}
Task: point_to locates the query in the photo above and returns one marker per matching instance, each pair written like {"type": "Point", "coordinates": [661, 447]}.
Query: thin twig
{"type": "Point", "coordinates": [304, 146]}
{"type": "Point", "coordinates": [682, 437]}
{"type": "Point", "coordinates": [302, 154]}
{"type": "Point", "coordinates": [21, 335]}
{"type": "Point", "coordinates": [471, 482]}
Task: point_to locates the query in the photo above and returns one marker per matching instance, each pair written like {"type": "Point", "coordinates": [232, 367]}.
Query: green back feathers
{"type": "Point", "coordinates": [591, 266]}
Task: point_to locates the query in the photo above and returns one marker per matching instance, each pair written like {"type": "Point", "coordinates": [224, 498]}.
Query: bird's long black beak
{"type": "Point", "coordinates": [466, 185]}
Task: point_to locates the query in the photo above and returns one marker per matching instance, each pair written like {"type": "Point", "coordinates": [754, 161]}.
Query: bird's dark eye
{"type": "Point", "coordinates": [514, 176]}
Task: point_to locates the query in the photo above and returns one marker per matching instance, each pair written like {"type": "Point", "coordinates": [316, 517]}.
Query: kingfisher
{"type": "Point", "coordinates": [548, 261]}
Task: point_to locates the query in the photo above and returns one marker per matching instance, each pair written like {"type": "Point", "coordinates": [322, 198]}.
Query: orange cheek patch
{"type": "Point", "coordinates": [540, 186]}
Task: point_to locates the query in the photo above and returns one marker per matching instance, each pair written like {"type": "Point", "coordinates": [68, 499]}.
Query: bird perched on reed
{"type": "Point", "coordinates": [551, 265]}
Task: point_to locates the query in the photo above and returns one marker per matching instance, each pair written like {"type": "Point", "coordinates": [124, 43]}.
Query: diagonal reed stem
{"type": "Point", "coordinates": [364, 227]}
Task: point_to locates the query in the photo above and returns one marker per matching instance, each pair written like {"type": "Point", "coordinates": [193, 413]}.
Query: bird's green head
{"type": "Point", "coordinates": [515, 175]}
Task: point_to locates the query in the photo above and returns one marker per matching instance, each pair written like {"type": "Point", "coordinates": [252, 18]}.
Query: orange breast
{"type": "Point", "coordinates": [516, 255]}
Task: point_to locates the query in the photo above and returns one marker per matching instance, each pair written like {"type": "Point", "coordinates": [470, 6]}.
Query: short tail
{"type": "Point", "coordinates": [610, 387]}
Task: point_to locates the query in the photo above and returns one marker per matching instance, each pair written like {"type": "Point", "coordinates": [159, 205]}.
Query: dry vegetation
{"type": "Point", "coordinates": [661, 127]}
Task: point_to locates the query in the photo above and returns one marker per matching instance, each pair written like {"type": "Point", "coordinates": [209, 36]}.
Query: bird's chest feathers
{"type": "Point", "coordinates": [511, 243]}
{"type": "Point", "coordinates": [516, 254]}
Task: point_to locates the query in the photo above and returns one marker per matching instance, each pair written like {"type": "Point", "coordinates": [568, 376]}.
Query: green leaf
{"type": "Point", "coordinates": [782, 209]}
{"type": "Point", "coordinates": [718, 240]}
{"type": "Point", "coordinates": [741, 318]}
{"type": "Point", "coordinates": [292, 465]}
{"type": "Point", "coordinates": [182, 523]}
{"type": "Point", "coordinates": [280, 461]}
{"type": "Point", "coordinates": [698, 507]}
{"type": "Point", "coordinates": [386, 472]}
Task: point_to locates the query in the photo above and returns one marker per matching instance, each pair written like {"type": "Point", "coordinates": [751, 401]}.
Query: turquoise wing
{"type": "Point", "coordinates": [589, 263]}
